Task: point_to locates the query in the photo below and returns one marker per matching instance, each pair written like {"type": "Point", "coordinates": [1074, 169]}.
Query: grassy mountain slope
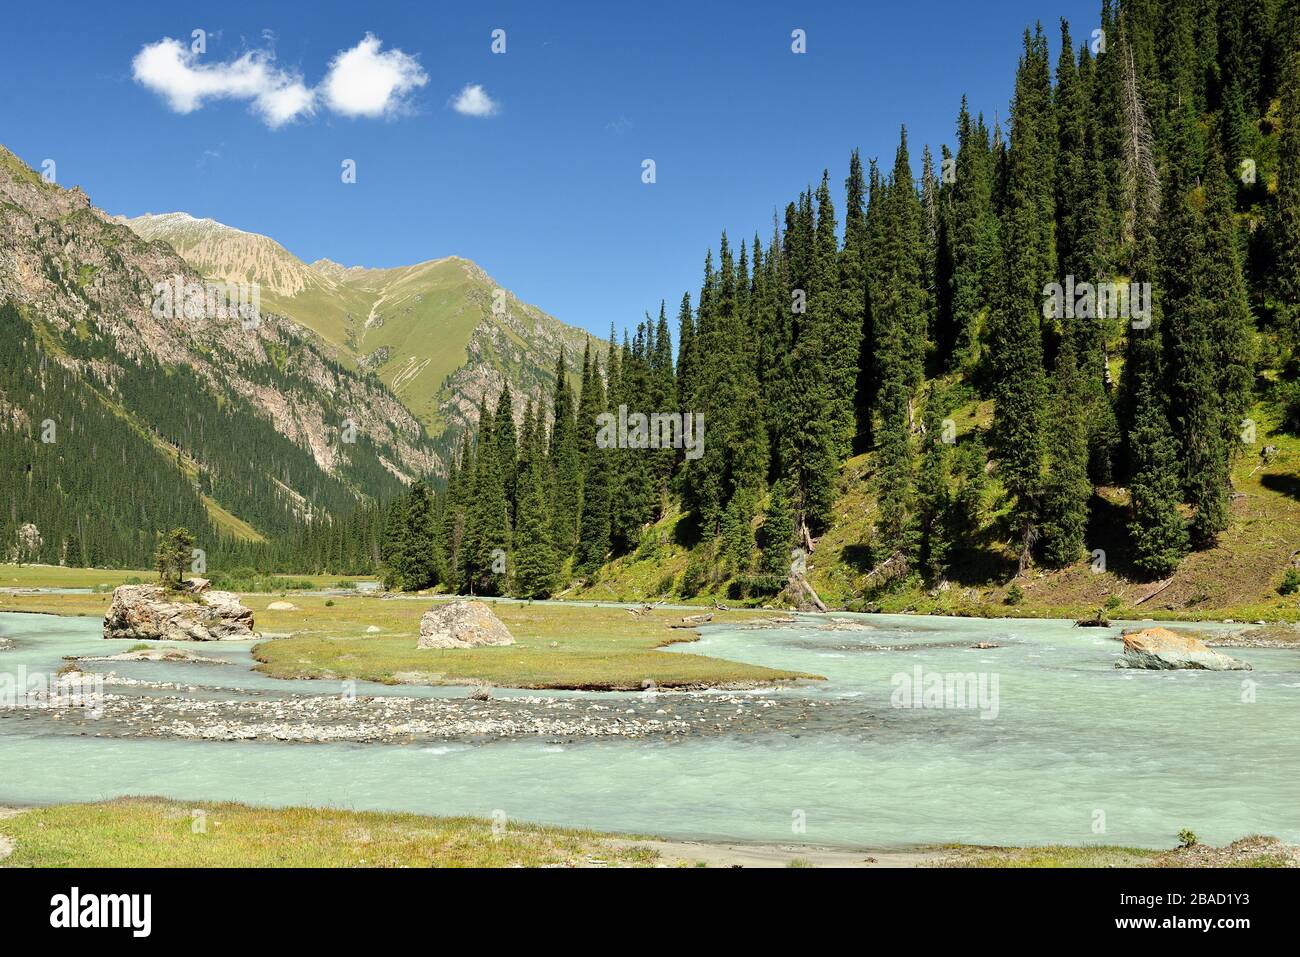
{"type": "Point", "coordinates": [1238, 579]}
{"type": "Point", "coordinates": [428, 331]}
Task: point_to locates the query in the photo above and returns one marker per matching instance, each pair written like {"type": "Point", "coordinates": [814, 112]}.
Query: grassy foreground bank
{"type": "Point", "coordinates": [157, 832]}
{"type": "Point", "coordinates": [154, 832]}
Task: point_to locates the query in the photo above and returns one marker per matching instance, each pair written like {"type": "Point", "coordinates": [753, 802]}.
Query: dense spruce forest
{"type": "Point", "coordinates": [87, 482]}
{"type": "Point", "coordinates": [1118, 271]}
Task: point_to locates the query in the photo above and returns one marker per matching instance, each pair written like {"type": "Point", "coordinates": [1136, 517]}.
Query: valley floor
{"type": "Point", "coordinates": [372, 638]}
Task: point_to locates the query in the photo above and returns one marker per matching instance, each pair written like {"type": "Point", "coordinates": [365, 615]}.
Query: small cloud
{"type": "Point", "coordinates": [208, 158]}
{"type": "Point", "coordinates": [365, 82]}
{"type": "Point", "coordinates": [620, 125]}
{"type": "Point", "coordinates": [474, 101]}
{"type": "Point", "coordinates": [172, 70]}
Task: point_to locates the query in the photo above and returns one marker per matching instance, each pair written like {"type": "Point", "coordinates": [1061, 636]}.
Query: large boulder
{"type": "Point", "coordinates": [462, 624]}
{"type": "Point", "coordinates": [1163, 650]}
{"type": "Point", "coordinates": [152, 613]}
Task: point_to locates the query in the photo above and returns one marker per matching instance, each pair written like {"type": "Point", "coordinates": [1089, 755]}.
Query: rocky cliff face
{"type": "Point", "coordinates": [89, 285]}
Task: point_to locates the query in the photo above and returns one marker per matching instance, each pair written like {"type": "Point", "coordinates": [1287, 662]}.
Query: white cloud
{"type": "Point", "coordinates": [171, 69]}
{"type": "Point", "coordinates": [474, 101]}
{"type": "Point", "coordinates": [365, 82]}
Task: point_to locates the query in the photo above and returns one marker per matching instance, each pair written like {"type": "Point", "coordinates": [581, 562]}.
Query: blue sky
{"type": "Point", "coordinates": [546, 193]}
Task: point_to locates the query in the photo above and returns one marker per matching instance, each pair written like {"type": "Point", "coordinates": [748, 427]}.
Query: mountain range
{"type": "Point", "coordinates": [354, 382]}
{"type": "Point", "coordinates": [439, 333]}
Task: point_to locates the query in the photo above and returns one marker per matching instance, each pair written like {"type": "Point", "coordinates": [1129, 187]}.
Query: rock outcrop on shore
{"type": "Point", "coordinates": [151, 613]}
{"type": "Point", "coordinates": [1162, 650]}
{"type": "Point", "coordinates": [462, 624]}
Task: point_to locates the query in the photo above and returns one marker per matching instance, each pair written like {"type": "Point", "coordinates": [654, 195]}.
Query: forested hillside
{"type": "Point", "coordinates": [120, 419]}
{"type": "Point", "coordinates": [1054, 349]}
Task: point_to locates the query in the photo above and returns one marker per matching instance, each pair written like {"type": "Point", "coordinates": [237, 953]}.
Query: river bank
{"type": "Point", "coordinates": [28, 588]}
{"type": "Point", "coordinates": [154, 832]}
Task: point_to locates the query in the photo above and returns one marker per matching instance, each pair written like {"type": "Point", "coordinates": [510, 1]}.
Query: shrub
{"type": "Point", "coordinates": [1187, 838]}
{"type": "Point", "coordinates": [1014, 595]}
{"type": "Point", "coordinates": [760, 584]}
{"type": "Point", "coordinates": [1290, 582]}
{"type": "Point", "coordinates": [700, 572]}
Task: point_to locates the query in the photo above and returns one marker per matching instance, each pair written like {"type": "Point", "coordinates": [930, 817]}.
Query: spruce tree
{"type": "Point", "coordinates": [975, 239]}
{"type": "Point", "coordinates": [422, 560]}
{"type": "Point", "coordinates": [1232, 326]}
{"type": "Point", "coordinates": [566, 478]}
{"type": "Point", "coordinates": [778, 534]}
{"type": "Point", "coordinates": [1066, 488]}
{"type": "Point", "coordinates": [536, 569]}
{"type": "Point", "coordinates": [1196, 406]}
{"type": "Point", "coordinates": [594, 533]}
{"type": "Point", "coordinates": [844, 343]}
{"type": "Point", "coordinates": [972, 491]}
{"type": "Point", "coordinates": [395, 548]}
{"type": "Point", "coordinates": [1157, 531]}
{"type": "Point", "coordinates": [899, 326]}
{"type": "Point", "coordinates": [505, 437]}
{"type": "Point", "coordinates": [1286, 227]}
{"type": "Point", "coordinates": [487, 539]}
{"type": "Point", "coordinates": [934, 503]}
{"type": "Point", "coordinates": [1015, 338]}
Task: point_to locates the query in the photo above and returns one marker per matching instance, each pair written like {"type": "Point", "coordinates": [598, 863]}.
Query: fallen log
{"type": "Point", "coordinates": [1165, 584]}
{"type": "Point", "coordinates": [693, 621]}
{"type": "Point", "coordinates": [805, 587]}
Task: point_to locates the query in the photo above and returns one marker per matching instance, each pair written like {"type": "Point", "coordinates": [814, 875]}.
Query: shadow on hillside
{"type": "Point", "coordinates": [686, 531]}
{"type": "Point", "coordinates": [1286, 484]}
{"type": "Point", "coordinates": [858, 557]}
{"type": "Point", "coordinates": [977, 563]}
{"type": "Point", "coordinates": [1108, 530]}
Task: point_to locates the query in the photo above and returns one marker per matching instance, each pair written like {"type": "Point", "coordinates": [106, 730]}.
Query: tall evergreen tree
{"type": "Point", "coordinates": [934, 502]}
{"type": "Point", "coordinates": [898, 314]}
{"type": "Point", "coordinates": [505, 437]}
{"type": "Point", "coordinates": [1015, 340]}
{"type": "Point", "coordinates": [1286, 228]}
{"type": "Point", "coordinates": [423, 556]}
{"type": "Point", "coordinates": [778, 534]}
{"type": "Point", "coordinates": [844, 341]}
{"type": "Point", "coordinates": [1232, 326]}
{"type": "Point", "coordinates": [1157, 531]}
{"type": "Point", "coordinates": [975, 238]}
{"type": "Point", "coordinates": [536, 568]}
{"type": "Point", "coordinates": [594, 534]}
{"type": "Point", "coordinates": [487, 537]}
{"type": "Point", "coordinates": [1067, 488]}
{"type": "Point", "coordinates": [566, 477]}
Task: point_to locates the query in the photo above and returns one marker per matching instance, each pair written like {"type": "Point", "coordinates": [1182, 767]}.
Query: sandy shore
{"type": "Point", "coordinates": [718, 854]}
